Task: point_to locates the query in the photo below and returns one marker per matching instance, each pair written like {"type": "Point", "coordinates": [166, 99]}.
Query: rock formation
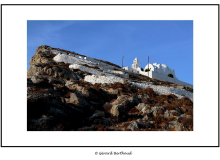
{"type": "Point", "coordinates": [71, 92]}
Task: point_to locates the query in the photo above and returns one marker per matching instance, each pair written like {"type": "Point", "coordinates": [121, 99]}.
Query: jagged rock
{"type": "Point", "coordinates": [98, 118]}
{"type": "Point", "coordinates": [59, 98]}
{"type": "Point", "coordinates": [115, 110]}
{"type": "Point", "coordinates": [39, 78]}
{"type": "Point", "coordinates": [166, 102]}
{"type": "Point", "coordinates": [146, 96]}
{"type": "Point", "coordinates": [169, 114]}
{"type": "Point", "coordinates": [79, 101]}
{"type": "Point", "coordinates": [184, 116]}
{"type": "Point", "coordinates": [32, 70]}
{"type": "Point", "coordinates": [155, 109]}
{"type": "Point", "coordinates": [67, 100]}
{"type": "Point", "coordinates": [145, 118]}
{"type": "Point", "coordinates": [113, 91]}
{"type": "Point", "coordinates": [143, 124]}
{"type": "Point", "coordinates": [41, 56]}
{"type": "Point", "coordinates": [176, 125]}
{"type": "Point", "coordinates": [133, 126]}
{"type": "Point", "coordinates": [97, 114]}
{"type": "Point", "coordinates": [120, 99]}
{"type": "Point", "coordinates": [122, 105]}
{"type": "Point", "coordinates": [178, 111]}
{"type": "Point", "coordinates": [60, 72]}
{"type": "Point", "coordinates": [67, 83]}
{"type": "Point", "coordinates": [80, 90]}
{"type": "Point", "coordinates": [142, 107]}
{"type": "Point", "coordinates": [180, 87]}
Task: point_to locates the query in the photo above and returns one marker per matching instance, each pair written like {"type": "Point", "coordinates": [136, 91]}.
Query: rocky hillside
{"type": "Point", "coordinates": [71, 92]}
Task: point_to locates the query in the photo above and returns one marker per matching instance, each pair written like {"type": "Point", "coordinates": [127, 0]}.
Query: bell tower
{"type": "Point", "coordinates": [135, 63]}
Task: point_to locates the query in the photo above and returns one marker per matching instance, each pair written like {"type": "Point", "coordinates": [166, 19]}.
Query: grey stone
{"type": "Point", "coordinates": [133, 126]}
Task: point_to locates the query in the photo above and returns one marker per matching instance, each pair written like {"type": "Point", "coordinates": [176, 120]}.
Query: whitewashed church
{"type": "Point", "coordinates": [157, 71]}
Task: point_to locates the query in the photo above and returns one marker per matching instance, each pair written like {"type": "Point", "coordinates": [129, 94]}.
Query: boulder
{"type": "Point", "coordinates": [175, 125]}
{"type": "Point", "coordinates": [120, 99]}
{"type": "Point", "coordinates": [122, 105]}
{"type": "Point", "coordinates": [107, 107]}
{"type": "Point", "coordinates": [169, 114]}
{"type": "Point", "coordinates": [133, 126]}
{"type": "Point", "coordinates": [154, 110]}
{"type": "Point", "coordinates": [97, 114]}
{"type": "Point", "coordinates": [40, 57]}
{"type": "Point", "coordinates": [77, 100]}
{"type": "Point", "coordinates": [33, 70]}
{"type": "Point", "coordinates": [113, 91]}
{"type": "Point", "coordinates": [80, 90]}
{"type": "Point", "coordinates": [142, 107]}
{"type": "Point", "coordinates": [115, 110]}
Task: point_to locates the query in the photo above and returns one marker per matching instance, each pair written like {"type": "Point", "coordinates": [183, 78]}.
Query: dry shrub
{"type": "Point", "coordinates": [116, 85]}
{"type": "Point", "coordinates": [50, 55]}
{"type": "Point", "coordinates": [148, 91]}
{"type": "Point", "coordinates": [97, 87]}
{"type": "Point", "coordinates": [187, 122]}
{"type": "Point", "coordinates": [175, 114]}
{"type": "Point", "coordinates": [161, 103]}
{"type": "Point", "coordinates": [133, 110]}
{"type": "Point", "coordinates": [171, 119]}
{"type": "Point", "coordinates": [146, 101]}
{"type": "Point", "coordinates": [163, 96]}
{"type": "Point", "coordinates": [128, 130]}
{"type": "Point", "coordinates": [146, 129]}
{"type": "Point", "coordinates": [188, 107]}
{"type": "Point", "coordinates": [171, 96]}
{"type": "Point", "coordinates": [169, 107]}
{"type": "Point", "coordinates": [94, 67]}
{"type": "Point", "coordinates": [137, 129]}
{"type": "Point", "coordinates": [159, 121]}
{"type": "Point", "coordinates": [100, 127]}
{"type": "Point", "coordinates": [126, 124]}
{"type": "Point", "coordinates": [187, 101]}
{"type": "Point", "coordinates": [160, 111]}
{"type": "Point", "coordinates": [171, 129]}
{"type": "Point", "coordinates": [173, 105]}
{"type": "Point", "coordinates": [177, 104]}
{"type": "Point", "coordinates": [188, 110]}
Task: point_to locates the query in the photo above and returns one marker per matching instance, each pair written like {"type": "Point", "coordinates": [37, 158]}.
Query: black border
{"type": "Point", "coordinates": [111, 5]}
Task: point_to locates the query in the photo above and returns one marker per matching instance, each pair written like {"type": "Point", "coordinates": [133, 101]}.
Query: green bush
{"type": "Point", "coordinates": [170, 75]}
{"type": "Point", "coordinates": [147, 70]}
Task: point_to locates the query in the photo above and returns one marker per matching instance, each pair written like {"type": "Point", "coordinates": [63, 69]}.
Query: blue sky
{"type": "Point", "coordinates": [167, 42]}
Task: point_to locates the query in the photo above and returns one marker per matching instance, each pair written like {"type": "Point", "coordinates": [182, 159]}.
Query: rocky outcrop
{"type": "Point", "coordinates": [122, 105]}
{"type": "Point", "coordinates": [59, 99]}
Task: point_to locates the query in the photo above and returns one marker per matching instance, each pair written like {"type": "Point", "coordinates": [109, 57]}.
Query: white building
{"type": "Point", "coordinates": [157, 71]}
